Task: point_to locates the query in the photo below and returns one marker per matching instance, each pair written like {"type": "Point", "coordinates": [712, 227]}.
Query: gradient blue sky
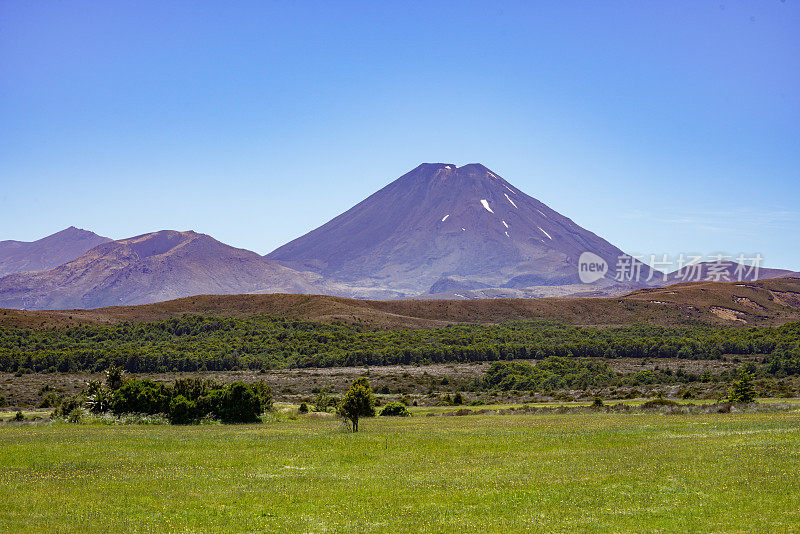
{"type": "Point", "coordinates": [664, 127]}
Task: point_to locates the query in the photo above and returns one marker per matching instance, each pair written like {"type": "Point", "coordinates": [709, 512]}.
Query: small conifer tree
{"type": "Point", "coordinates": [358, 402]}
{"type": "Point", "coordinates": [742, 390]}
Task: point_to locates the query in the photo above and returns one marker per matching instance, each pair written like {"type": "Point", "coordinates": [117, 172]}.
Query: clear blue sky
{"type": "Point", "coordinates": [664, 127]}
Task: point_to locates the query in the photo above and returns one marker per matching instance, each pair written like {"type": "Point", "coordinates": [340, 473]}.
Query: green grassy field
{"type": "Point", "coordinates": [569, 472]}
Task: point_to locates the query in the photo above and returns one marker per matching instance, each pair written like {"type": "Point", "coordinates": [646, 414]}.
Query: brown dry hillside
{"type": "Point", "coordinates": [761, 303]}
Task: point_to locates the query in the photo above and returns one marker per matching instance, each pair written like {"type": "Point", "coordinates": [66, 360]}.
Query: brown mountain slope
{"type": "Point", "coordinates": [151, 268]}
{"type": "Point", "coordinates": [762, 303]}
{"type": "Point", "coordinates": [48, 252]}
{"type": "Point", "coordinates": [724, 271]}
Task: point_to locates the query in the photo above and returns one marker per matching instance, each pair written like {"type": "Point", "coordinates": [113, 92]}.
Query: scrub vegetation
{"type": "Point", "coordinates": [203, 343]}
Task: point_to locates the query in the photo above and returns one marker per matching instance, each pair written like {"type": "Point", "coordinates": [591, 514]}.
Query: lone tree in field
{"type": "Point", "coordinates": [358, 402]}
{"type": "Point", "coordinates": [742, 391]}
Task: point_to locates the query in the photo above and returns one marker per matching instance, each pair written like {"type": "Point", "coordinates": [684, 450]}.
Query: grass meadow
{"type": "Point", "coordinates": [587, 472]}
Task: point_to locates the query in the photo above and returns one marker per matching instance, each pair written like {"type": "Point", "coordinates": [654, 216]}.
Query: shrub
{"type": "Point", "coordinates": [303, 408]}
{"type": "Point", "coordinates": [191, 399]}
{"type": "Point", "coordinates": [19, 417]}
{"type": "Point", "coordinates": [140, 396]}
{"type": "Point", "coordinates": [265, 394]}
{"type": "Point", "coordinates": [597, 403]}
{"type": "Point", "coordinates": [553, 372]}
{"type": "Point", "coordinates": [76, 416]}
{"type": "Point", "coordinates": [235, 403]}
{"type": "Point", "coordinates": [3, 401]}
{"type": "Point", "coordinates": [67, 406]}
{"type": "Point", "coordinates": [324, 401]}
{"type": "Point", "coordinates": [98, 397]}
{"type": "Point", "coordinates": [458, 399]}
{"type": "Point", "coordinates": [395, 409]}
{"type": "Point", "coordinates": [50, 400]}
{"type": "Point", "coordinates": [193, 388]}
{"type": "Point", "coordinates": [115, 377]}
{"type": "Point", "coordinates": [742, 390]}
{"type": "Point", "coordinates": [182, 411]}
{"type": "Point", "coordinates": [45, 389]}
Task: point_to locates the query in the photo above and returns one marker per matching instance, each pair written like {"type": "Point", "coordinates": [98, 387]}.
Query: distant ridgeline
{"type": "Point", "coordinates": [197, 343]}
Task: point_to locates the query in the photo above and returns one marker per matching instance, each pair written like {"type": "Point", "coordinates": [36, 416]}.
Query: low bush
{"type": "Point", "coordinates": [551, 373]}
{"type": "Point", "coordinates": [67, 406]}
{"type": "Point", "coordinates": [235, 403]}
{"type": "Point", "coordinates": [51, 399]}
{"type": "Point", "coordinates": [187, 400]}
{"type": "Point", "coordinates": [98, 397]}
{"type": "Point", "coordinates": [395, 409]}
{"type": "Point", "coordinates": [324, 402]}
{"type": "Point", "coordinates": [78, 415]}
{"type": "Point", "coordinates": [140, 396]}
{"type": "Point", "coordinates": [182, 410]}
{"type": "Point", "coordinates": [115, 377]}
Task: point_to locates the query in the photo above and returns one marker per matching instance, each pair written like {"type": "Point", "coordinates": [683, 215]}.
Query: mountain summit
{"type": "Point", "coordinates": [443, 227]}
{"type": "Point", "coordinates": [48, 252]}
{"type": "Point", "coordinates": [150, 268]}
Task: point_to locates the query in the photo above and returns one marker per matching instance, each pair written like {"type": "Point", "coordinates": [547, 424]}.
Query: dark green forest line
{"type": "Point", "coordinates": [198, 343]}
